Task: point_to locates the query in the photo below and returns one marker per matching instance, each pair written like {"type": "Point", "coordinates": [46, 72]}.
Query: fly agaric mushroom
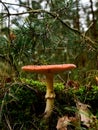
{"type": "Point", "coordinates": [48, 71]}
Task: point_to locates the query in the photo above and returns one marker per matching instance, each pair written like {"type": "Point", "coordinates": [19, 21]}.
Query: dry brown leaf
{"type": "Point", "coordinates": [62, 123]}
{"type": "Point", "coordinates": [85, 114]}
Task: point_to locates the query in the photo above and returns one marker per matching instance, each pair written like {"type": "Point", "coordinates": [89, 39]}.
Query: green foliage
{"type": "Point", "coordinates": [23, 103]}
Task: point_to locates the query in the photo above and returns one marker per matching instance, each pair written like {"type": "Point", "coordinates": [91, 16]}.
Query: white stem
{"type": "Point", "coordinates": [50, 95]}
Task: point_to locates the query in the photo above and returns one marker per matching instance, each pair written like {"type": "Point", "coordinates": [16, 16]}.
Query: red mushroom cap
{"type": "Point", "coordinates": [48, 68]}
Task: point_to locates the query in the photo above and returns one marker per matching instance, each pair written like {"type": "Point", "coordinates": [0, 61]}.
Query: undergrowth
{"type": "Point", "coordinates": [22, 103]}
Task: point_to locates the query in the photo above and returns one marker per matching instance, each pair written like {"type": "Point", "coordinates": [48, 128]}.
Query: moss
{"type": "Point", "coordinates": [24, 103]}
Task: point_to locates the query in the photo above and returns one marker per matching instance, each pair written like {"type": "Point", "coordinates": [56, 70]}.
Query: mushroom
{"type": "Point", "coordinates": [48, 71]}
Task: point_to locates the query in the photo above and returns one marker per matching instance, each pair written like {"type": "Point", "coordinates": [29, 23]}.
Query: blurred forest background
{"type": "Point", "coordinates": [49, 32]}
{"type": "Point", "coordinates": [45, 32]}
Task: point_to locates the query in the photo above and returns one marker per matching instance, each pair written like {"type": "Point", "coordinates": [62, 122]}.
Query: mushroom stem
{"type": "Point", "coordinates": [50, 95]}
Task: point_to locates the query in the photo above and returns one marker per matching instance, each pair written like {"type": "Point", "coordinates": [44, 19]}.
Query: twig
{"type": "Point", "coordinates": [2, 105]}
{"type": "Point", "coordinates": [89, 27]}
{"type": "Point", "coordinates": [23, 85]}
{"type": "Point", "coordinates": [60, 78]}
{"type": "Point", "coordinates": [8, 14]}
{"type": "Point", "coordinates": [8, 122]}
{"type": "Point", "coordinates": [21, 127]}
{"type": "Point", "coordinates": [20, 5]}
